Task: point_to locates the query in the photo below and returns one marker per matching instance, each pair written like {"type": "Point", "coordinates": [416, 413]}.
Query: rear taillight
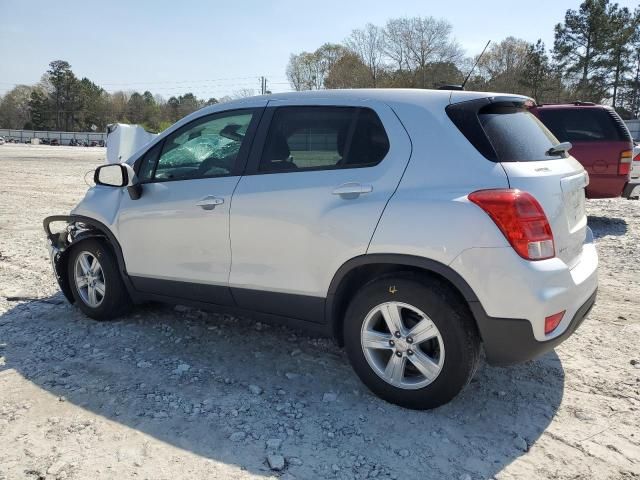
{"type": "Point", "coordinates": [521, 219]}
{"type": "Point", "coordinates": [625, 162]}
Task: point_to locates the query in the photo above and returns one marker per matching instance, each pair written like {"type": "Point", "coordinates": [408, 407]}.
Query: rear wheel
{"type": "Point", "coordinates": [96, 282]}
{"type": "Point", "coordinates": [411, 340]}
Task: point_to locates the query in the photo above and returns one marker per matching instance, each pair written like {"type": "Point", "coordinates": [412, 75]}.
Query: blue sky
{"type": "Point", "coordinates": [216, 47]}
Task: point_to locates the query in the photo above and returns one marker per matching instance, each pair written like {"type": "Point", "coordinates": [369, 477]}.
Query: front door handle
{"type": "Point", "coordinates": [209, 202]}
{"type": "Point", "coordinates": [352, 190]}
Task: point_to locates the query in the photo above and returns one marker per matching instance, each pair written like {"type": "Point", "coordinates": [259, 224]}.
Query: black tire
{"type": "Point", "coordinates": [116, 300]}
{"type": "Point", "coordinates": [446, 310]}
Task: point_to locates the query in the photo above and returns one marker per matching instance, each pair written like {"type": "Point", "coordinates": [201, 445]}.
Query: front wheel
{"type": "Point", "coordinates": [411, 340]}
{"type": "Point", "coordinates": [96, 282]}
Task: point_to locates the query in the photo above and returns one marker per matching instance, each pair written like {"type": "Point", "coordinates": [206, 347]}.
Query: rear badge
{"type": "Point", "coordinates": [542, 169]}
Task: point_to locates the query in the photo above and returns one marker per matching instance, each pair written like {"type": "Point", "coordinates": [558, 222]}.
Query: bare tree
{"type": "Point", "coordinates": [308, 71]}
{"type": "Point", "coordinates": [428, 40]}
{"type": "Point", "coordinates": [503, 64]}
{"type": "Point", "coordinates": [395, 41]}
{"type": "Point", "coordinates": [368, 44]}
{"type": "Point", "coordinates": [243, 93]}
{"type": "Point", "coordinates": [302, 72]}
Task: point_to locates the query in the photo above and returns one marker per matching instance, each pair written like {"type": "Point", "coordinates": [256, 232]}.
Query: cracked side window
{"type": "Point", "coordinates": [207, 147]}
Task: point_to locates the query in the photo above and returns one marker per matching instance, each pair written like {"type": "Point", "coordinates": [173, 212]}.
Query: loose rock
{"type": "Point", "coordinates": [255, 389]}
{"type": "Point", "coordinates": [329, 397]}
{"type": "Point", "coordinates": [276, 462]}
{"type": "Point", "coordinates": [520, 443]}
{"type": "Point", "coordinates": [237, 436]}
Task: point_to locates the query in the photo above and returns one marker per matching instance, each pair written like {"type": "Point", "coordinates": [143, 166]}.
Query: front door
{"type": "Point", "coordinates": [175, 237]}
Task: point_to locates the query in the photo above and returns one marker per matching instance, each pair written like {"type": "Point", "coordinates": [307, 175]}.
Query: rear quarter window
{"type": "Point", "coordinates": [516, 134]}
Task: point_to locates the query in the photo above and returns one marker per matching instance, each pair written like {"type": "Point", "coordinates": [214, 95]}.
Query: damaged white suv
{"type": "Point", "coordinates": [415, 227]}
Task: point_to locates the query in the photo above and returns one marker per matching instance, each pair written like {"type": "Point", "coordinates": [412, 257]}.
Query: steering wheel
{"type": "Point", "coordinates": [214, 162]}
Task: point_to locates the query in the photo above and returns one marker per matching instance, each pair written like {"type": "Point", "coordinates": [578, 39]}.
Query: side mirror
{"type": "Point", "coordinates": [115, 175]}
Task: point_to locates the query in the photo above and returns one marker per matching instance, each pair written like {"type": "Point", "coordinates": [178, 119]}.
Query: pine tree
{"type": "Point", "coordinates": [619, 44]}
{"type": "Point", "coordinates": [580, 48]}
{"type": "Point", "coordinates": [535, 74]}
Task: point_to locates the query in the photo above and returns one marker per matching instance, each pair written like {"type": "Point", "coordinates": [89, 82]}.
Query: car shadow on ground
{"type": "Point", "coordinates": [220, 387]}
{"type": "Point", "coordinates": [604, 226]}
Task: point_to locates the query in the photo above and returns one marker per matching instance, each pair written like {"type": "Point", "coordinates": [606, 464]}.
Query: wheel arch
{"type": "Point", "coordinates": [92, 228]}
{"type": "Point", "coordinates": [360, 270]}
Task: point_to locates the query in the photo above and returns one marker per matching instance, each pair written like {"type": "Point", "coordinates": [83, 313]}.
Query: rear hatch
{"type": "Point", "coordinates": [597, 133]}
{"type": "Point", "coordinates": [504, 131]}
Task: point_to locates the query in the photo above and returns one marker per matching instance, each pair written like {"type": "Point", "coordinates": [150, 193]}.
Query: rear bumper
{"type": "Point", "coordinates": [514, 296]}
{"type": "Point", "coordinates": [605, 186]}
{"type": "Point", "coordinates": [508, 341]}
{"type": "Point", "coordinates": [631, 190]}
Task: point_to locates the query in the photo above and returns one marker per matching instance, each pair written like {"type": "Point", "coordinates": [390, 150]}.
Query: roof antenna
{"type": "Point", "coordinates": [461, 87]}
{"type": "Point", "coordinates": [475, 65]}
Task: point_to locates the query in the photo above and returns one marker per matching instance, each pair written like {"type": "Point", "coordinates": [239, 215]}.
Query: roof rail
{"type": "Point", "coordinates": [583, 103]}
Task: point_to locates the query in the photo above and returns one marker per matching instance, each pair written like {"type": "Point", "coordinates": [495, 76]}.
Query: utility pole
{"type": "Point", "coordinates": [263, 86]}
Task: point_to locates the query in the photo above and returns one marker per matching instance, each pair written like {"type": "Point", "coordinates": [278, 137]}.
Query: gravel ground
{"type": "Point", "coordinates": [172, 393]}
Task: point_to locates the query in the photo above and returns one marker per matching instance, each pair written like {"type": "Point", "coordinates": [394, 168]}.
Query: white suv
{"type": "Point", "coordinates": [415, 227]}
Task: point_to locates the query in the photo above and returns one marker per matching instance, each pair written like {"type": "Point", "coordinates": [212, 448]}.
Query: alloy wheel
{"type": "Point", "coordinates": [89, 279]}
{"type": "Point", "coordinates": [402, 345]}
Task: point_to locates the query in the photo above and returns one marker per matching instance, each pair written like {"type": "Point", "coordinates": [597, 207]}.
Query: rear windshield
{"type": "Point", "coordinates": [515, 134]}
{"type": "Point", "coordinates": [584, 124]}
{"type": "Point", "coordinates": [503, 130]}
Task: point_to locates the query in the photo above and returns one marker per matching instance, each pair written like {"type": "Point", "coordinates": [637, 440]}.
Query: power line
{"type": "Point", "coordinates": [169, 82]}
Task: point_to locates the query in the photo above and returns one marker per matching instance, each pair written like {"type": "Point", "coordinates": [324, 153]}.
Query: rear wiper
{"type": "Point", "coordinates": [563, 147]}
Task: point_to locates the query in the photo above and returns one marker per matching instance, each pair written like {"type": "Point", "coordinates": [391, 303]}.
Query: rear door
{"type": "Point", "coordinates": [319, 177]}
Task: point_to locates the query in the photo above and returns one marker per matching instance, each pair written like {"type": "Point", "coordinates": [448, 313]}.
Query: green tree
{"type": "Point", "coordinates": [188, 103]}
{"type": "Point", "coordinates": [39, 108]}
{"type": "Point", "coordinates": [93, 105]}
{"type": "Point", "coordinates": [65, 92]}
{"type": "Point", "coordinates": [135, 108]}
{"type": "Point", "coordinates": [619, 43]}
{"type": "Point", "coordinates": [580, 47]}
{"type": "Point", "coordinates": [536, 71]}
{"type": "Point", "coordinates": [173, 107]}
{"type": "Point", "coordinates": [14, 107]}
{"type": "Point", "coordinates": [348, 72]}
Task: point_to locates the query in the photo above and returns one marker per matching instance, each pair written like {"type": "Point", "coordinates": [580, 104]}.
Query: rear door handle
{"type": "Point", "coordinates": [209, 202]}
{"type": "Point", "coordinates": [352, 189]}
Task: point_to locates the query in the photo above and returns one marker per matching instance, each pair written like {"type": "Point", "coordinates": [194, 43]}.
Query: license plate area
{"type": "Point", "coordinates": [574, 200]}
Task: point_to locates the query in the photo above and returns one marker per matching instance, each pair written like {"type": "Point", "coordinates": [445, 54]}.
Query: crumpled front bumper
{"type": "Point", "coordinates": [57, 245]}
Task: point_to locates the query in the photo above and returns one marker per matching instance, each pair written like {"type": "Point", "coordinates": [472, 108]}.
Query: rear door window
{"type": "Point", "coordinates": [515, 134]}
{"type": "Point", "coordinates": [323, 138]}
{"type": "Point", "coordinates": [581, 124]}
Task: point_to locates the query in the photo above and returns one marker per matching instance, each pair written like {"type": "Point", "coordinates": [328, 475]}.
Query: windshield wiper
{"type": "Point", "coordinates": [563, 147]}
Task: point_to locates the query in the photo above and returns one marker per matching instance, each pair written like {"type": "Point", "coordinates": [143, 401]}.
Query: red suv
{"type": "Point", "coordinates": [601, 142]}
